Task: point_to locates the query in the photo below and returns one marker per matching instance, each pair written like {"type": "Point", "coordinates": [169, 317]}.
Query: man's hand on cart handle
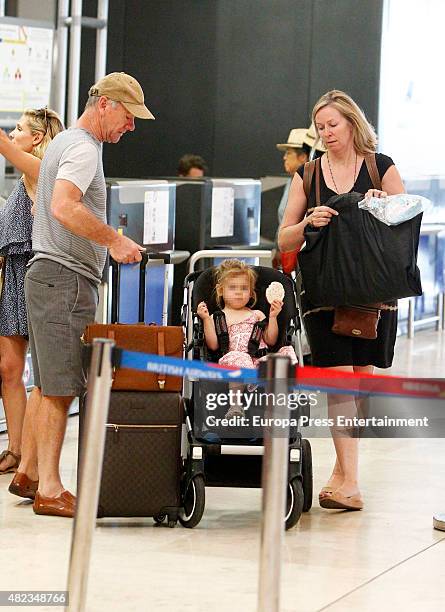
{"type": "Point", "coordinates": [124, 250]}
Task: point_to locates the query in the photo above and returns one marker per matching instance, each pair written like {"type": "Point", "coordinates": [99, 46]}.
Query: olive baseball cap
{"type": "Point", "coordinates": [123, 88]}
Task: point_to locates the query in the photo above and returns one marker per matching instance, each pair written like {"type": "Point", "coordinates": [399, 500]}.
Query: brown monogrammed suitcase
{"type": "Point", "coordinates": [142, 459]}
{"type": "Point", "coordinates": [155, 339]}
{"type": "Point", "coordinates": [163, 340]}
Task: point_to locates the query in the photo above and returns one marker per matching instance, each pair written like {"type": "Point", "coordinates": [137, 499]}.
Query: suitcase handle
{"type": "Point", "coordinates": [142, 266]}
{"type": "Point", "coordinates": [115, 287]}
{"type": "Point", "coordinates": [165, 257]}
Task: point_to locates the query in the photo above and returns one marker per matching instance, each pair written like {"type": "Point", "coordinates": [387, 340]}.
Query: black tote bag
{"type": "Point", "coordinates": [357, 259]}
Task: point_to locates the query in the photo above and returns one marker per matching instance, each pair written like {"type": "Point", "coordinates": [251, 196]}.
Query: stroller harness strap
{"type": "Point", "coordinates": [222, 333]}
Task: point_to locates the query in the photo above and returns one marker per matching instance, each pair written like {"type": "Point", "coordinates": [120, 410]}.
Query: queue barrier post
{"type": "Point", "coordinates": [98, 399]}
{"type": "Point", "coordinates": [274, 483]}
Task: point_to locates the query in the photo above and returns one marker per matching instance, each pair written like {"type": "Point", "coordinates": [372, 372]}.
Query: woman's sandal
{"type": "Point", "coordinates": [324, 492]}
{"type": "Point", "coordinates": [14, 466]}
{"type": "Point", "coordinates": [337, 501]}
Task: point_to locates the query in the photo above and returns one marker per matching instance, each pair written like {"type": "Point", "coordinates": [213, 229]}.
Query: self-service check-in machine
{"type": "Point", "coordinates": [235, 213]}
{"type": "Point", "coordinates": [144, 210]}
{"type": "Point", "coordinates": [213, 213]}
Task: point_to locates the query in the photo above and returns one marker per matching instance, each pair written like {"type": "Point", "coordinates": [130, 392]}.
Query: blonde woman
{"type": "Point", "coordinates": [24, 149]}
{"type": "Point", "coordinates": [348, 138]}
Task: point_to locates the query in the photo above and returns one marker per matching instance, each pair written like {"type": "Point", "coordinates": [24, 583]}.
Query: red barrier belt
{"type": "Point", "coordinates": [375, 384]}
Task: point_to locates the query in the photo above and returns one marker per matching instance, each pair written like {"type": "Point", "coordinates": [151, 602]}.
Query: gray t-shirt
{"type": "Point", "coordinates": [76, 156]}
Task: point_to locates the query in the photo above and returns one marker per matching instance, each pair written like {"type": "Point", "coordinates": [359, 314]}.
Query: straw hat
{"type": "Point", "coordinates": [312, 139]}
{"type": "Point", "coordinates": [295, 140]}
{"type": "Point", "coordinates": [301, 136]}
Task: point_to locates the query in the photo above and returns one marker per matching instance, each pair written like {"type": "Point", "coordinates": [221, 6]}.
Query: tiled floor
{"type": "Point", "coordinates": [386, 558]}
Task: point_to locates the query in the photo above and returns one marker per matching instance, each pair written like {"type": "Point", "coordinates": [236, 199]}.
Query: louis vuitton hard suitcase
{"type": "Point", "coordinates": [142, 464]}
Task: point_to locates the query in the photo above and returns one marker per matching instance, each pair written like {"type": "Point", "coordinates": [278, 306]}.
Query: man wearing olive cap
{"type": "Point", "coordinates": [70, 241]}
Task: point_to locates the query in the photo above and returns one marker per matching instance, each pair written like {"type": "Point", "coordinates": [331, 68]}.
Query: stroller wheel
{"type": "Point", "coordinates": [159, 518]}
{"type": "Point", "coordinates": [306, 469]}
{"type": "Point", "coordinates": [193, 503]}
{"type": "Point", "coordinates": [295, 500]}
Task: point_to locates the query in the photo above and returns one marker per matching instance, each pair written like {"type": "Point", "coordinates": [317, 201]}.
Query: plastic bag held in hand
{"type": "Point", "coordinates": [395, 209]}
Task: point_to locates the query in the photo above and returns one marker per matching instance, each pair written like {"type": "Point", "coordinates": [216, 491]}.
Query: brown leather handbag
{"type": "Point", "coordinates": [158, 340]}
{"type": "Point", "coordinates": [357, 321]}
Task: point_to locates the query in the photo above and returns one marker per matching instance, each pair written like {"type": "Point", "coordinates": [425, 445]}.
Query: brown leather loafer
{"type": "Point", "coordinates": [64, 505]}
{"type": "Point", "coordinates": [23, 486]}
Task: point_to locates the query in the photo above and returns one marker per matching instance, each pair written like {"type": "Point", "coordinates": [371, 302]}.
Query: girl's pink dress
{"type": "Point", "coordinates": [239, 336]}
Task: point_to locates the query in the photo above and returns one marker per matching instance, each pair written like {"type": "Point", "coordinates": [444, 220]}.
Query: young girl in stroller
{"type": "Point", "coordinates": [235, 295]}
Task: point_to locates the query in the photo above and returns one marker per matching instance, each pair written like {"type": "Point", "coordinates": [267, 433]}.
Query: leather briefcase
{"type": "Point", "coordinates": [158, 340]}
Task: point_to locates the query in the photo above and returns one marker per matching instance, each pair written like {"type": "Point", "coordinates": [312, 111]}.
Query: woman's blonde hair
{"type": "Point", "coordinates": [365, 138]}
{"type": "Point", "coordinates": [45, 121]}
{"type": "Point", "coordinates": [234, 267]}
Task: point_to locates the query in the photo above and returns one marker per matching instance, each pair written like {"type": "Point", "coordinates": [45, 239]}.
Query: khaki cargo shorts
{"type": "Point", "coordinates": [60, 304]}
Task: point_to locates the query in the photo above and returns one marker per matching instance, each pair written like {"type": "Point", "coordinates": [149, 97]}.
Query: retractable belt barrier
{"type": "Point", "coordinates": [306, 377]}
{"type": "Point", "coordinates": [105, 358]}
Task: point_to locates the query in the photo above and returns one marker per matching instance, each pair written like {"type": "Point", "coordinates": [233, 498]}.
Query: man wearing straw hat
{"type": "Point", "coordinates": [302, 144]}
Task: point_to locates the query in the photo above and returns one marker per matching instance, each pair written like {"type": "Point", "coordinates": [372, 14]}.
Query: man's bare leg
{"type": "Point", "coordinates": [51, 425]}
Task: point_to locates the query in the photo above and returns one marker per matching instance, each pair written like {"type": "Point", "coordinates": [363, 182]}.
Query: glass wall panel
{"type": "Point", "coordinates": [411, 114]}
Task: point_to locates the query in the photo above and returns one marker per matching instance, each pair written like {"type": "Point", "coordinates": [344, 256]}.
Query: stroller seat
{"type": "Point", "coordinates": [219, 461]}
{"type": "Point", "coordinates": [204, 290]}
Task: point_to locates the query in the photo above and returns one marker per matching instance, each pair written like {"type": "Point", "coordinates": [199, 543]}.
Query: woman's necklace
{"type": "Point", "coordinates": [332, 176]}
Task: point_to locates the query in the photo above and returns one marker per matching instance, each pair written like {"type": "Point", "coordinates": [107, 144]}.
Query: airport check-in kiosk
{"type": "Point", "coordinates": [235, 213]}
{"type": "Point", "coordinates": [213, 213]}
{"type": "Point", "coordinates": [236, 225]}
{"type": "Point", "coordinates": [144, 210]}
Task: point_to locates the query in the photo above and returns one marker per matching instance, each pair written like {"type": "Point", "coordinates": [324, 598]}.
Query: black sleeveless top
{"type": "Point", "coordinates": [329, 349]}
{"type": "Point", "coordinates": [362, 182]}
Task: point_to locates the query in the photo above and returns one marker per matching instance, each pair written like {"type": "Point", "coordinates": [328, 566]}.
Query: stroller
{"type": "Point", "coordinates": [214, 461]}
